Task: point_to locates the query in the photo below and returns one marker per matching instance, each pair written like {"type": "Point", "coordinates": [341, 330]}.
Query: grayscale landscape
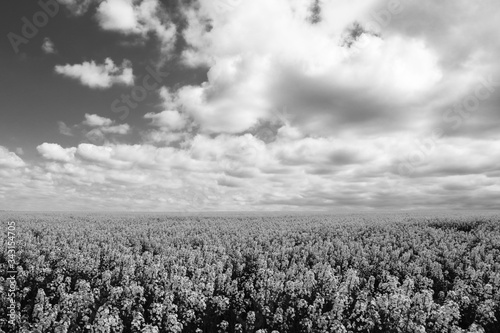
{"type": "Point", "coordinates": [250, 166]}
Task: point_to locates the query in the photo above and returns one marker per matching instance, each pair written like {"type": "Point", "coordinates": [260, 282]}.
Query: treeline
{"type": "Point", "coordinates": [359, 273]}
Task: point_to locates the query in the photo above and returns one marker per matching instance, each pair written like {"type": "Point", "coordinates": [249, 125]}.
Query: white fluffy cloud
{"type": "Point", "coordinates": [9, 159]}
{"type": "Point", "coordinates": [117, 15]}
{"type": "Point", "coordinates": [289, 62]}
{"type": "Point", "coordinates": [102, 127]}
{"type": "Point", "coordinates": [99, 76]}
{"type": "Point", "coordinates": [172, 119]}
{"type": "Point", "coordinates": [139, 18]}
{"type": "Point", "coordinates": [130, 17]}
{"type": "Point", "coordinates": [95, 129]}
{"type": "Point", "coordinates": [94, 120]}
{"type": "Point", "coordinates": [53, 151]}
{"type": "Point", "coordinates": [105, 125]}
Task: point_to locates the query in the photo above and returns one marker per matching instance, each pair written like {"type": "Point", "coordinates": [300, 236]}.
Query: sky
{"type": "Point", "coordinates": [249, 105]}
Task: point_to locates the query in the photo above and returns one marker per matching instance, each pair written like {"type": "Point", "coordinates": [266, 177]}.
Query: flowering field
{"type": "Point", "coordinates": [254, 273]}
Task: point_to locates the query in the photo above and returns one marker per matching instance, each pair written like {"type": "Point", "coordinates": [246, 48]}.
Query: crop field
{"type": "Point", "coordinates": [385, 272]}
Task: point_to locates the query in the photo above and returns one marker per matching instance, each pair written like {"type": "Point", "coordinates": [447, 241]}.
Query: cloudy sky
{"type": "Point", "coordinates": [169, 105]}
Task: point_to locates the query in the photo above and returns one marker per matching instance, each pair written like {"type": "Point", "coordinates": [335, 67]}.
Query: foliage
{"type": "Point", "coordinates": [233, 273]}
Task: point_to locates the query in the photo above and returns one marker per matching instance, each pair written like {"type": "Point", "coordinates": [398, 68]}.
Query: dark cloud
{"type": "Point", "coordinates": [457, 29]}
{"type": "Point", "coordinates": [323, 108]}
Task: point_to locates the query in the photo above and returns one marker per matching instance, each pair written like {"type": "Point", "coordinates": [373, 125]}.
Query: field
{"type": "Point", "coordinates": [394, 272]}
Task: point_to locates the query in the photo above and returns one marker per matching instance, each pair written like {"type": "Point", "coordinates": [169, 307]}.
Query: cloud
{"type": "Point", "coordinates": [9, 159]}
{"type": "Point", "coordinates": [105, 125]}
{"type": "Point", "coordinates": [298, 111]}
{"type": "Point", "coordinates": [77, 7]}
{"type": "Point", "coordinates": [234, 171]}
{"type": "Point", "coordinates": [162, 137]}
{"type": "Point", "coordinates": [170, 125]}
{"type": "Point", "coordinates": [138, 18]}
{"type": "Point", "coordinates": [12, 175]}
{"type": "Point", "coordinates": [257, 68]}
{"type": "Point", "coordinates": [99, 76]}
{"type": "Point", "coordinates": [94, 120]}
{"type": "Point", "coordinates": [48, 46]}
{"type": "Point", "coordinates": [102, 126]}
{"type": "Point", "coordinates": [118, 129]}
{"type": "Point", "coordinates": [117, 15]}
{"type": "Point", "coordinates": [458, 30]}
{"type": "Point", "coordinates": [64, 129]}
{"type": "Point", "coordinates": [94, 153]}
{"type": "Point", "coordinates": [171, 120]}
{"type": "Point", "coordinates": [95, 129]}
{"type": "Point", "coordinates": [53, 151]}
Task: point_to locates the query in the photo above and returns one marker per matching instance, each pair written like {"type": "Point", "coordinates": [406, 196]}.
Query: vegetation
{"type": "Point", "coordinates": [342, 273]}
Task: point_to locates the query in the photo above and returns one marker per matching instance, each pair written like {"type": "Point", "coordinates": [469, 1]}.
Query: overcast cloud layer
{"type": "Point", "coordinates": [318, 105]}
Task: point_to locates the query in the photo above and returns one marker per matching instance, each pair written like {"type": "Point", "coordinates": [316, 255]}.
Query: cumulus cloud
{"type": "Point", "coordinates": [99, 76]}
{"type": "Point", "coordinates": [170, 126]}
{"type": "Point", "coordinates": [9, 159]}
{"type": "Point", "coordinates": [94, 120]}
{"type": "Point", "coordinates": [95, 128]}
{"type": "Point", "coordinates": [117, 15]}
{"type": "Point", "coordinates": [458, 30]}
{"type": "Point", "coordinates": [105, 125]}
{"type": "Point", "coordinates": [53, 151]}
{"type": "Point", "coordinates": [138, 18]}
{"type": "Point", "coordinates": [172, 119]}
{"type": "Point", "coordinates": [100, 126]}
{"type": "Point", "coordinates": [256, 68]}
